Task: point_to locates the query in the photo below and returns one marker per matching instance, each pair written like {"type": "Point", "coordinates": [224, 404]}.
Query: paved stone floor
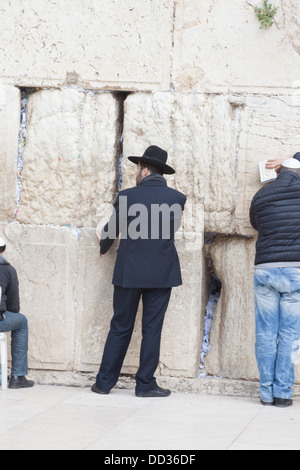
{"type": "Point", "coordinates": [69, 418]}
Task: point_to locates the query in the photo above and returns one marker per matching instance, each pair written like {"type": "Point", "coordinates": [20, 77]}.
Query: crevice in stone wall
{"type": "Point", "coordinates": [25, 94]}
{"type": "Point", "coordinates": [172, 87]}
{"type": "Point", "coordinates": [121, 97]}
{"type": "Point", "coordinates": [214, 287]}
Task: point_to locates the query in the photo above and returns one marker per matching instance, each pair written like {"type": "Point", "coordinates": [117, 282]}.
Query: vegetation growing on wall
{"type": "Point", "coordinates": [265, 14]}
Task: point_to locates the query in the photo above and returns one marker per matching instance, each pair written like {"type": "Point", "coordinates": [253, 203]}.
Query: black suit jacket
{"type": "Point", "coordinates": [146, 217]}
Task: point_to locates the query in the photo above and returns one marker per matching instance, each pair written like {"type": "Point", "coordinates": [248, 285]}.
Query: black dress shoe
{"type": "Point", "coordinates": [283, 402]}
{"type": "Point", "coordinates": [157, 392]}
{"type": "Point", "coordinates": [267, 403]}
{"type": "Point", "coordinates": [20, 382]}
{"type": "Point", "coordinates": [95, 389]}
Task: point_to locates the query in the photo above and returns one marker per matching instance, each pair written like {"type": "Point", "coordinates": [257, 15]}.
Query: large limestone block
{"type": "Point", "coordinates": [232, 338]}
{"type": "Point", "coordinates": [219, 46]}
{"type": "Point", "coordinates": [200, 134]}
{"type": "Point", "coordinates": [268, 128]}
{"type": "Point", "coordinates": [9, 129]}
{"type": "Point", "coordinates": [215, 144]}
{"type": "Point", "coordinates": [181, 340]}
{"type": "Point", "coordinates": [93, 44]}
{"type": "Point", "coordinates": [46, 261]}
{"type": "Point", "coordinates": [94, 301]}
{"type": "Point", "coordinates": [69, 175]}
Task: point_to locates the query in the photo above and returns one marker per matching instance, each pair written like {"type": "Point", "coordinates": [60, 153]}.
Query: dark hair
{"type": "Point", "coordinates": [152, 168]}
{"type": "Point", "coordinates": [294, 170]}
{"type": "Point", "coordinates": [2, 248]}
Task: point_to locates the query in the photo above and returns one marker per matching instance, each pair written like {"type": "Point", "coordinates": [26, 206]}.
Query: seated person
{"type": "Point", "coordinates": [12, 320]}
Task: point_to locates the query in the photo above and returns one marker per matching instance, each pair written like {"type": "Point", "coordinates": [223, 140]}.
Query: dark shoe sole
{"type": "Point", "coordinates": [267, 403]}
{"type": "Point", "coordinates": [282, 402]}
{"type": "Point", "coordinates": [95, 389]}
{"type": "Point", "coordinates": [153, 394]}
{"type": "Point", "coordinates": [19, 387]}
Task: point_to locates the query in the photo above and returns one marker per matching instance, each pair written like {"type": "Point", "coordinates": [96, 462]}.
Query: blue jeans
{"type": "Point", "coordinates": [18, 325]}
{"type": "Point", "coordinates": [277, 311]}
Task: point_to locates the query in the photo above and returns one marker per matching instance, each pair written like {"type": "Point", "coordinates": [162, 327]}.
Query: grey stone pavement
{"type": "Point", "coordinates": [73, 418]}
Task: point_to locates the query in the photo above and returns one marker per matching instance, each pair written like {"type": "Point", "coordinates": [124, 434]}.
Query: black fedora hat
{"type": "Point", "coordinates": [155, 156]}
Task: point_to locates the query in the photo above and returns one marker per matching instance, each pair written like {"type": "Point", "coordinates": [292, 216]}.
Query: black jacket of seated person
{"type": "Point", "coordinates": [10, 288]}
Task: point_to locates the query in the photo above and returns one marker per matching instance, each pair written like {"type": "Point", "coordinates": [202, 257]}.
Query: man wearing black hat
{"type": "Point", "coordinates": [12, 320]}
{"type": "Point", "coordinates": [147, 267]}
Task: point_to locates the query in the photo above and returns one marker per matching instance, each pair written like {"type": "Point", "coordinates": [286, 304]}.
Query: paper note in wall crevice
{"type": "Point", "coordinates": [266, 174]}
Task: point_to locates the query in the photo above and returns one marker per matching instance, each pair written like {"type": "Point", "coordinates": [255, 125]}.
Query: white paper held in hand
{"type": "Point", "coordinates": [266, 174]}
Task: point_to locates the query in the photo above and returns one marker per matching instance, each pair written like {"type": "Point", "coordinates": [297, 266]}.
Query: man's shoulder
{"type": "Point", "coordinates": [7, 273]}
{"type": "Point", "coordinates": [128, 191]}
{"type": "Point", "coordinates": [137, 192]}
{"type": "Point", "coordinates": [269, 188]}
{"type": "Point", "coordinates": [177, 193]}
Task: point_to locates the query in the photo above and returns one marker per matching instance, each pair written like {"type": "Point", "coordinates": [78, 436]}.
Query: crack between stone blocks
{"type": "Point", "coordinates": [214, 285]}
{"type": "Point", "coordinates": [25, 94]}
{"type": "Point", "coordinates": [172, 87]}
{"type": "Point", "coordinates": [121, 97]}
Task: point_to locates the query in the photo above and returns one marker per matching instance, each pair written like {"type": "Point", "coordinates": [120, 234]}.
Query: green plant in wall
{"type": "Point", "coordinates": [265, 14]}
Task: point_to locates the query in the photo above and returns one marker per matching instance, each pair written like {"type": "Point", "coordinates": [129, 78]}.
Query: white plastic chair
{"type": "Point", "coordinates": [3, 351]}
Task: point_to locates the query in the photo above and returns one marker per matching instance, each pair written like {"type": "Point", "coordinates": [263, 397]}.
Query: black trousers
{"type": "Point", "coordinates": [126, 302]}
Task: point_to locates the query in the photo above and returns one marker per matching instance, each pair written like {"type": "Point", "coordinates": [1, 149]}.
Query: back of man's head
{"type": "Point", "coordinates": [2, 245]}
{"type": "Point", "coordinates": [291, 164]}
{"type": "Point", "coordinates": [297, 156]}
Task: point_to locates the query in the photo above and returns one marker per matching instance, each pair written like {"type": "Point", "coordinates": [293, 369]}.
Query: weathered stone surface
{"type": "Point", "coordinates": [215, 144]}
{"type": "Point", "coordinates": [180, 338]}
{"type": "Point", "coordinates": [46, 262]}
{"type": "Point", "coordinates": [94, 44]}
{"type": "Point", "coordinates": [9, 129]}
{"type": "Point", "coordinates": [94, 301]}
{"type": "Point", "coordinates": [232, 339]}
{"type": "Point", "coordinates": [224, 96]}
{"type": "Point", "coordinates": [219, 47]}
{"type": "Point", "coordinates": [67, 295]}
{"type": "Point", "coordinates": [69, 174]}
{"type": "Point", "coordinates": [200, 135]}
{"type": "Point", "coordinates": [268, 128]}
{"type": "Point", "coordinates": [288, 21]}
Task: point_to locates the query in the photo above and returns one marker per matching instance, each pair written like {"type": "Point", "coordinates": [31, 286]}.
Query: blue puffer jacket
{"type": "Point", "coordinates": [275, 213]}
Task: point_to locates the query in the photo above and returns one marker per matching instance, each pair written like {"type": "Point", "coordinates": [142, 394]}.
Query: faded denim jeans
{"type": "Point", "coordinates": [277, 310]}
{"type": "Point", "coordinates": [18, 325]}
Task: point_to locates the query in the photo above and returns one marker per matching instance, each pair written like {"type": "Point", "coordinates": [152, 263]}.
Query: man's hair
{"type": "Point", "coordinates": [294, 170]}
{"type": "Point", "coordinates": [2, 248]}
{"type": "Point", "coordinates": [152, 168]}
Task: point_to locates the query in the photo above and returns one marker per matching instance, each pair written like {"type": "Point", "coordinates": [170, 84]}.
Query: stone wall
{"type": "Point", "coordinates": [102, 81]}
